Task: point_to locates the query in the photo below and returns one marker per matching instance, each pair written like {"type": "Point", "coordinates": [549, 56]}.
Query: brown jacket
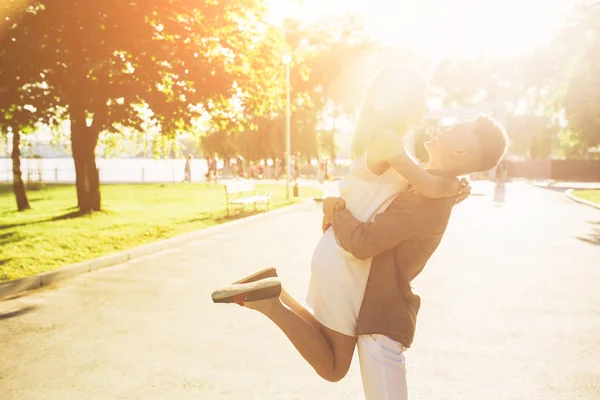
{"type": "Point", "coordinates": [400, 240]}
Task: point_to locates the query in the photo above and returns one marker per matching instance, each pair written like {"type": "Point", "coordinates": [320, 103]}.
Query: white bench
{"type": "Point", "coordinates": [240, 193]}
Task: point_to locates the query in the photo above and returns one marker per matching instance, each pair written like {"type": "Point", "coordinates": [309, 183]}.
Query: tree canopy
{"type": "Point", "coordinates": [109, 65]}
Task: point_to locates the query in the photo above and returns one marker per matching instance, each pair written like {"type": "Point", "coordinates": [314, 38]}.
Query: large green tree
{"type": "Point", "coordinates": [110, 64]}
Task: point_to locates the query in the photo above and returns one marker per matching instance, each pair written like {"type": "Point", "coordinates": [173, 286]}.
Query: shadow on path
{"type": "Point", "coordinates": [553, 188]}
{"type": "Point", "coordinates": [594, 236]}
{"type": "Point", "coordinates": [19, 312]}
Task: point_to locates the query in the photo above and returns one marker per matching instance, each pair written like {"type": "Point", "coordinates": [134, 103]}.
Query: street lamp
{"type": "Point", "coordinates": [287, 60]}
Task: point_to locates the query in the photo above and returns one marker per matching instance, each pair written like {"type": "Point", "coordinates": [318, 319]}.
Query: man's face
{"type": "Point", "coordinates": [455, 147]}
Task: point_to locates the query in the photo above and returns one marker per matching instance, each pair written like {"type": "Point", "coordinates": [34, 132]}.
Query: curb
{"type": "Point", "coordinates": [566, 185]}
{"type": "Point", "coordinates": [570, 195]}
{"type": "Point", "coordinates": [19, 286]}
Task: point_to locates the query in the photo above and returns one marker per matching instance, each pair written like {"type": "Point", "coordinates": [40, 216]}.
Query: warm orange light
{"type": "Point", "coordinates": [440, 27]}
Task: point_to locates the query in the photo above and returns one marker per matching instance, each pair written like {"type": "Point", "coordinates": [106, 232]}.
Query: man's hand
{"type": "Point", "coordinates": [330, 204]}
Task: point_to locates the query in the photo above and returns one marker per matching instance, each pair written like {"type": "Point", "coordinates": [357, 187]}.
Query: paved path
{"type": "Point", "coordinates": [511, 310]}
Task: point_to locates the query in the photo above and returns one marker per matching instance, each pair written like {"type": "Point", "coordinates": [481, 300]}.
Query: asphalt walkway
{"type": "Point", "coordinates": [511, 310]}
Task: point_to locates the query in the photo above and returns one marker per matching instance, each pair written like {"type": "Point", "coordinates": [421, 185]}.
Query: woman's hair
{"type": "Point", "coordinates": [386, 104]}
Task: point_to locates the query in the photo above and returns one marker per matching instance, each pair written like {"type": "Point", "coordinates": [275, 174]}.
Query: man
{"type": "Point", "coordinates": [400, 240]}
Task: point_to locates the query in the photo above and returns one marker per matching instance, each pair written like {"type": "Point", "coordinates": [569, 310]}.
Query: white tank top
{"type": "Point", "coordinates": [366, 193]}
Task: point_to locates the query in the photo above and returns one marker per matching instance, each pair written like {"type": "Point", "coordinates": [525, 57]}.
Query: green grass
{"type": "Point", "coordinates": [51, 235]}
{"type": "Point", "coordinates": [590, 195]}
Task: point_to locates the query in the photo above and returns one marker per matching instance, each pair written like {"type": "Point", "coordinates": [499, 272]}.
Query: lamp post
{"type": "Point", "coordinates": [287, 59]}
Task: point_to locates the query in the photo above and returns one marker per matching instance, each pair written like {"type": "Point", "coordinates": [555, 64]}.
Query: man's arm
{"type": "Point", "coordinates": [365, 240]}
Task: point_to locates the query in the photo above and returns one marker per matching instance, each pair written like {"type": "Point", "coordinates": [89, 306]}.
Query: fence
{"type": "Point", "coordinates": [138, 171]}
{"type": "Point", "coordinates": [558, 170]}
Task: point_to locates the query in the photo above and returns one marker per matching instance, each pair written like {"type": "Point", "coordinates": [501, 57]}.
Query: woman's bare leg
{"type": "Point", "coordinates": [299, 308]}
{"type": "Point", "coordinates": [327, 351]}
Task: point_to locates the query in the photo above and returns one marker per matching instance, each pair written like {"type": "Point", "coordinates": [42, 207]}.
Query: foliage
{"type": "Point", "coordinates": [159, 62]}
{"type": "Point", "coordinates": [532, 136]}
{"type": "Point", "coordinates": [570, 145]}
{"type": "Point", "coordinates": [326, 82]}
{"type": "Point", "coordinates": [582, 97]}
{"type": "Point", "coordinates": [110, 65]}
{"type": "Point", "coordinates": [535, 90]}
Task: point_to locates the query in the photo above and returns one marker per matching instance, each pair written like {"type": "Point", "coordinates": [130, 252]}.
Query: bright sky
{"type": "Point", "coordinates": [443, 27]}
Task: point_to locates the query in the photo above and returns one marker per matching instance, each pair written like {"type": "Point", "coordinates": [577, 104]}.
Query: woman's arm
{"type": "Point", "coordinates": [427, 184]}
{"type": "Point", "coordinates": [389, 146]}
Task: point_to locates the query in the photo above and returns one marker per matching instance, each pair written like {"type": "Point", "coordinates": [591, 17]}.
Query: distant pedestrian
{"type": "Point", "coordinates": [215, 168]}
{"type": "Point", "coordinates": [188, 169]}
{"type": "Point", "coordinates": [321, 172]}
{"type": "Point", "coordinates": [241, 172]}
{"type": "Point", "coordinates": [296, 167]}
{"type": "Point", "coordinates": [211, 168]}
{"type": "Point", "coordinates": [502, 172]}
{"type": "Point", "coordinates": [279, 169]}
{"type": "Point", "coordinates": [252, 170]}
{"type": "Point", "coordinates": [261, 169]}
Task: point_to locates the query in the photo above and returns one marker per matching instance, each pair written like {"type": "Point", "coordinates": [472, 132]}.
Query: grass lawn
{"type": "Point", "coordinates": [51, 236]}
{"type": "Point", "coordinates": [590, 195]}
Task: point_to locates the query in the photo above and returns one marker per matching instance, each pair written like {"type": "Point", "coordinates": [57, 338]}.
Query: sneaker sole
{"type": "Point", "coordinates": [246, 292]}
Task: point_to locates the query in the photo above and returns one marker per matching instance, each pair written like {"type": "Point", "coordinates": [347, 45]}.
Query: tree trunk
{"type": "Point", "coordinates": [18, 186]}
{"type": "Point", "coordinates": [83, 146]}
{"type": "Point", "coordinates": [332, 151]}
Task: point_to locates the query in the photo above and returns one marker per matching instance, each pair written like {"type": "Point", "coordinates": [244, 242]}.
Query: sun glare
{"type": "Point", "coordinates": [439, 27]}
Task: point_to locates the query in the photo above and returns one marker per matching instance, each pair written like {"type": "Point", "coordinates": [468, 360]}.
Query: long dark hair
{"type": "Point", "coordinates": [386, 104]}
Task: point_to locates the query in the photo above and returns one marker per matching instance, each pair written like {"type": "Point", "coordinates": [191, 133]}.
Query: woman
{"type": "Point", "coordinates": [324, 336]}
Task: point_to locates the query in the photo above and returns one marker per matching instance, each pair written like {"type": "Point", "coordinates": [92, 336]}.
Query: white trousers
{"type": "Point", "coordinates": [382, 367]}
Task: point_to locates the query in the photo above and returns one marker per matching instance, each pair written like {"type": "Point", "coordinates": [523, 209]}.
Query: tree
{"type": "Point", "coordinates": [109, 64]}
{"type": "Point", "coordinates": [18, 185]}
{"type": "Point", "coordinates": [460, 80]}
{"type": "Point", "coordinates": [532, 136]}
{"type": "Point", "coordinates": [16, 121]}
{"type": "Point", "coordinates": [327, 80]}
{"type": "Point", "coordinates": [521, 91]}
{"type": "Point", "coordinates": [582, 97]}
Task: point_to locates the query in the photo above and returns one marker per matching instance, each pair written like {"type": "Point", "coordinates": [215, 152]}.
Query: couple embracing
{"type": "Point", "coordinates": [377, 237]}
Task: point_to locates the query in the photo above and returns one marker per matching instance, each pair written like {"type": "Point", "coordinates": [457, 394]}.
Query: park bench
{"type": "Point", "coordinates": [240, 193]}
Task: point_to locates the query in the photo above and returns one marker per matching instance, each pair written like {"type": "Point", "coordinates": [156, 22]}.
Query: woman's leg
{"type": "Point", "coordinates": [327, 351]}
{"type": "Point", "coordinates": [299, 308]}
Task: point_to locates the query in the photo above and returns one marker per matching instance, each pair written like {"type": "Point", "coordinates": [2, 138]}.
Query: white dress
{"type": "Point", "coordinates": [338, 280]}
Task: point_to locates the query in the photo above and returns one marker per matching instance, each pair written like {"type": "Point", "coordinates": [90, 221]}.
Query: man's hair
{"type": "Point", "coordinates": [493, 141]}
